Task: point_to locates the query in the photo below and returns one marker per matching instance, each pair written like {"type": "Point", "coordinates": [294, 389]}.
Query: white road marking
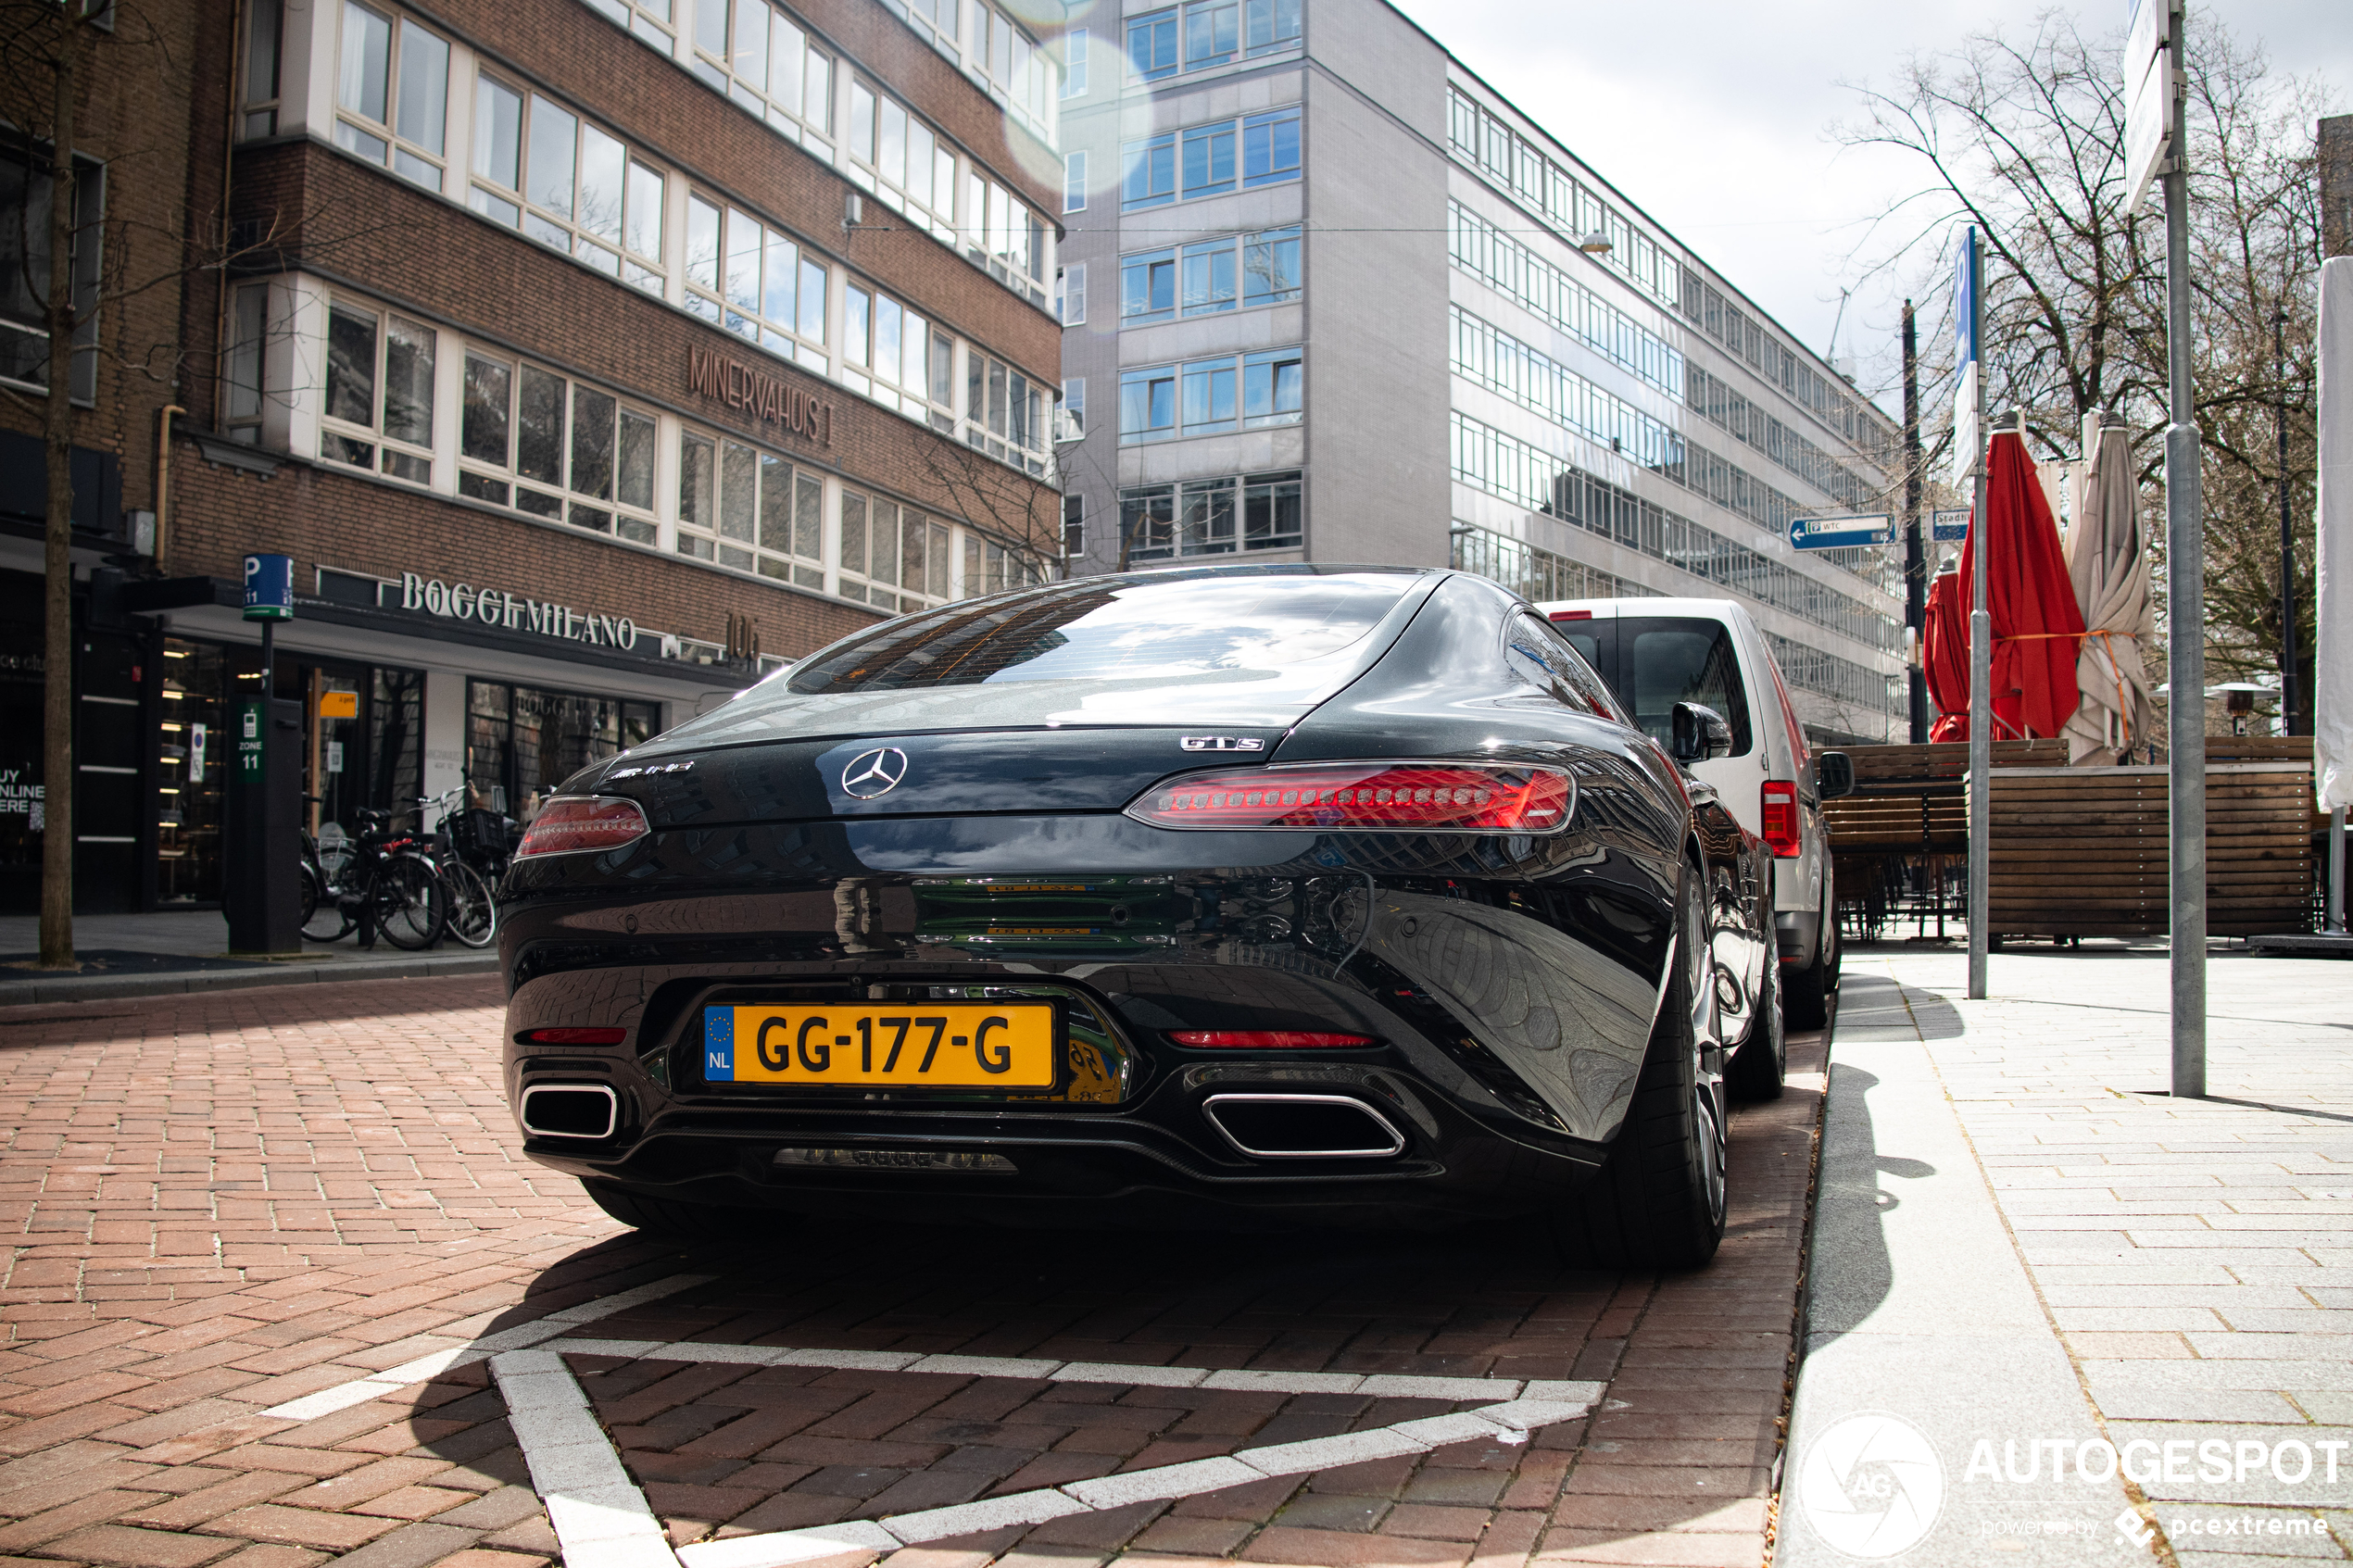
{"type": "Point", "coordinates": [602, 1521]}
{"type": "Point", "coordinates": [311, 1407]}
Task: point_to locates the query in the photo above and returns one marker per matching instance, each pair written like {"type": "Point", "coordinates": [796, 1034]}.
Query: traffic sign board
{"type": "Point", "coordinates": [1839, 532]}
{"type": "Point", "coordinates": [1949, 527]}
{"type": "Point", "coordinates": [2151, 78]}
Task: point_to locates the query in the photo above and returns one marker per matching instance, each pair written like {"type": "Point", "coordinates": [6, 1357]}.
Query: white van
{"type": "Point", "coordinates": [1655, 653]}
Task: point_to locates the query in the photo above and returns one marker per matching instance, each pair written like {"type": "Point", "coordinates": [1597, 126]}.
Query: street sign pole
{"type": "Point", "coordinates": [2186, 600]}
{"type": "Point", "coordinates": [1981, 638]}
{"type": "Point", "coordinates": [1915, 549]}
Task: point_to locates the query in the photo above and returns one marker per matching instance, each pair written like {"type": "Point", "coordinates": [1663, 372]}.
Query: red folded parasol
{"type": "Point", "coordinates": [2037, 624]}
{"type": "Point", "coordinates": [1946, 656]}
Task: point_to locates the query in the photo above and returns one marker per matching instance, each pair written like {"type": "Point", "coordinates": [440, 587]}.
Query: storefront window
{"type": "Point", "coordinates": [521, 741]}
{"type": "Point", "coordinates": [192, 746]}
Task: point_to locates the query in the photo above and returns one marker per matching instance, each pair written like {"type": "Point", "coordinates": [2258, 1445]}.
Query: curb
{"type": "Point", "coordinates": [104, 988]}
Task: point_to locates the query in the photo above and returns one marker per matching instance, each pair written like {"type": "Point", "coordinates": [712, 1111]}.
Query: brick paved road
{"type": "Point", "coordinates": [219, 1203]}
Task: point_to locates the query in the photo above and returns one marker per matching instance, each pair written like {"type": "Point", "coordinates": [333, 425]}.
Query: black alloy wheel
{"type": "Point", "coordinates": [1759, 1068]}
{"type": "Point", "coordinates": [1658, 1201]}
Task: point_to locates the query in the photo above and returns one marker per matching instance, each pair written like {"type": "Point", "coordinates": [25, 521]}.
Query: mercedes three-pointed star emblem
{"type": "Point", "coordinates": [875, 773]}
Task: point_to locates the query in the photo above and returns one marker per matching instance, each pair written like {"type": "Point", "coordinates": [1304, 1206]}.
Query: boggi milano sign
{"type": "Point", "coordinates": [493, 606]}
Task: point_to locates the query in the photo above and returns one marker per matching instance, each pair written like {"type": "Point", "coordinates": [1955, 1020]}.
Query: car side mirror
{"type": "Point", "coordinates": [1699, 733]}
{"type": "Point", "coordinates": [1833, 774]}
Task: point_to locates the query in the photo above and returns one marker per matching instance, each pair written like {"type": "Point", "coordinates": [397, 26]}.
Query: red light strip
{"type": "Point", "coordinates": [1264, 1039]}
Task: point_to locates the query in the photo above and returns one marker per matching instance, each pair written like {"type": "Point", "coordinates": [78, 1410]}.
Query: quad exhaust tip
{"type": "Point", "coordinates": [1270, 1126]}
{"type": "Point", "coordinates": [569, 1110]}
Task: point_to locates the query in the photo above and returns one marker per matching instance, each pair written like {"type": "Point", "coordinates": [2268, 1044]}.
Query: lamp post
{"type": "Point", "coordinates": [2287, 536]}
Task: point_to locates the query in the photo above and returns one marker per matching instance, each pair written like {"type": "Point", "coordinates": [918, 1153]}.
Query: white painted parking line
{"type": "Point", "coordinates": [596, 1510]}
{"type": "Point", "coordinates": [343, 1396]}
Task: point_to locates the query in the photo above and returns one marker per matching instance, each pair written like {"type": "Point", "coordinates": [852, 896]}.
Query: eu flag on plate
{"type": "Point", "coordinates": [719, 1045]}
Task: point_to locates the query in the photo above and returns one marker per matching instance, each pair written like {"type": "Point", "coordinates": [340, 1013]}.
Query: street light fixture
{"type": "Point", "coordinates": [1595, 244]}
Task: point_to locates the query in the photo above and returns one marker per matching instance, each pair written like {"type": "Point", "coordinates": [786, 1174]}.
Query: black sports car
{"type": "Point", "coordinates": [1310, 893]}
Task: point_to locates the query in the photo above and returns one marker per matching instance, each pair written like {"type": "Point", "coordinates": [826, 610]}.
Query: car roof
{"type": "Point", "coordinates": [1610, 609]}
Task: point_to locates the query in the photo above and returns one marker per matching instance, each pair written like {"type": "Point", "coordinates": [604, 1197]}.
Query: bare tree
{"type": "Point", "coordinates": [2023, 137]}
{"type": "Point", "coordinates": [1018, 514]}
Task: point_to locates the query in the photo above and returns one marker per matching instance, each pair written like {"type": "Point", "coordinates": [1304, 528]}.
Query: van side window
{"type": "Point", "coordinates": [1675, 659]}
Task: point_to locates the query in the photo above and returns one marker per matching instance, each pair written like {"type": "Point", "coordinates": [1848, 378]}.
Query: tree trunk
{"type": "Point", "coordinates": [57, 711]}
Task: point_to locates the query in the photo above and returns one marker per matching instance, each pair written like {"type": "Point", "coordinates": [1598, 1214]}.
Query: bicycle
{"type": "Point", "coordinates": [392, 888]}
{"type": "Point", "coordinates": [324, 860]}
{"type": "Point", "coordinates": [476, 842]}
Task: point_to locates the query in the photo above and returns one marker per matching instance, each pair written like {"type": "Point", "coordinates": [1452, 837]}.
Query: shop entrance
{"type": "Point", "coordinates": [522, 741]}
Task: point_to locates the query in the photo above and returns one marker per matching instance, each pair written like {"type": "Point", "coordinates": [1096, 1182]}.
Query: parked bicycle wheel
{"type": "Point", "coordinates": [323, 916]}
{"type": "Point", "coordinates": [473, 912]}
{"type": "Point", "coordinates": [410, 908]}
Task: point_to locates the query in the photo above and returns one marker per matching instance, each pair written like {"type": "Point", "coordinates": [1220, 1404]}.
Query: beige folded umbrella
{"type": "Point", "coordinates": [2112, 575]}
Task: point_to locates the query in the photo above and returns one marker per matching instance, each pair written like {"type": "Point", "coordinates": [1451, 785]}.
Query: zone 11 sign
{"type": "Point", "coordinates": [1839, 532]}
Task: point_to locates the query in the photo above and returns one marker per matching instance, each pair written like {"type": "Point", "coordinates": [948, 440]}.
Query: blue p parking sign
{"type": "Point", "coordinates": [269, 587]}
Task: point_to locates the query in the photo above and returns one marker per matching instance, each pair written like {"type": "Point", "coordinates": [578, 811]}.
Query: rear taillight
{"type": "Point", "coordinates": [1779, 814]}
{"type": "Point", "coordinates": [1572, 615]}
{"type": "Point", "coordinates": [1264, 1039]}
{"type": "Point", "coordinates": [567, 827]}
{"type": "Point", "coordinates": [1366, 798]}
{"type": "Point", "coordinates": [576, 1035]}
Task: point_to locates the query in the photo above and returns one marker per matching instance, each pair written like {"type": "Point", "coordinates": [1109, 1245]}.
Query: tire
{"type": "Point", "coordinates": [323, 918]}
{"type": "Point", "coordinates": [1805, 993]}
{"type": "Point", "coordinates": [666, 1216]}
{"type": "Point", "coordinates": [1761, 1065]}
{"type": "Point", "coordinates": [474, 911]}
{"type": "Point", "coordinates": [1658, 1201]}
{"type": "Point", "coordinates": [410, 908]}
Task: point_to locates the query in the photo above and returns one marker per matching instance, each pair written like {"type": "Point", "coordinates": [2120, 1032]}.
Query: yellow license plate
{"type": "Point", "coordinates": [913, 1045]}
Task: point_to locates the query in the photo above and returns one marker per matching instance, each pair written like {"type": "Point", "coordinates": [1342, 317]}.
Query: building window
{"type": "Point", "coordinates": [1070, 294]}
{"type": "Point", "coordinates": [1213, 32]}
{"type": "Point", "coordinates": [542, 168]}
{"type": "Point", "coordinates": [1004, 237]}
{"type": "Point", "coordinates": [25, 194]}
{"type": "Point", "coordinates": [753, 281]}
{"type": "Point", "coordinates": [392, 103]}
{"type": "Point", "coordinates": [1274, 388]}
{"type": "Point", "coordinates": [1148, 405]}
{"type": "Point", "coordinates": [764, 63]}
{"type": "Point", "coordinates": [897, 157]}
{"type": "Point", "coordinates": [1209, 277]}
{"type": "Point", "coordinates": [992, 568]}
{"type": "Point", "coordinates": [1212, 396]}
{"type": "Point", "coordinates": [1269, 24]}
{"type": "Point", "coordinates": [249, 326]}
{"type": "Point", "coordinates": [1148, 287]}
{"type": "Point", "coordinates": [649, 19]}
{"type": "Point", "coordinates": [750, 510]}
{"type": "Point", "coordinates": [1149, 171]}
{"type": "Point", "coordinates": [940, 18]}
{"type": "Point", "coordinates": [1073, 528]}
{"type": "Point", "coordinates": [892, 557]}
{"type": "Point", "coordinates": [1152, 45]}
{"type": "Point", "coordinates": [1261, 511]}
{"type": "Point", "coordinates": [887, 352]}
{"type": "Point", "coordinates": [1270, 148]}
{"type": "Point", "coordinates": [1075, 183]}
{"type": "Point", "coordinates": [1074, 409]}
{"type": "Point", "coordinates": [1075, 63]}
{"type": "Point", "coordinates": [264, 24]}
{"type": "Point", "coordinates": [521, 743]}
{"type": "Point", "coordinates": [1209, 160]}
{"type": "Point", "coordinates": [1004, 412]}
{"type": "Point", "coordinates": [554, 448]}
{"type": "Point", "coordinates": [379, 408]}
{"type": "Point", "coordinates": [1271, 267]}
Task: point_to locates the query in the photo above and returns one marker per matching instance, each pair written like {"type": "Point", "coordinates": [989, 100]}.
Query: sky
{"type": "Point", "coordinates": [1714, 117]}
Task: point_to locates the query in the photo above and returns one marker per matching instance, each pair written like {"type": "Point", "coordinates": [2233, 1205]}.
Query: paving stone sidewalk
{"type": "Point", "coordinates": [2193, 1257]}
{"type": "Point", "coordinates": [216, 1203]}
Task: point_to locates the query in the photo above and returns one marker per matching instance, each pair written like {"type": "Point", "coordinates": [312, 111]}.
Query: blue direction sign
{"type": "Point", "coordinates": [1949, 527]}
{"type": "Point", "coordinates": [1839, 532]}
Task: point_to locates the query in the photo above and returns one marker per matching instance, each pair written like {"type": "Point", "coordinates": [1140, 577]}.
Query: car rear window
{"type": "Point", "coordinates": [1669, 659]}
{"type": "Point", "coordinates": [1093, 629]}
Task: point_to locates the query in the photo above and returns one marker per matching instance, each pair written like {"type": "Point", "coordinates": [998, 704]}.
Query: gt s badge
{"type": "Point", "coordinates": [870, 773]}
{"type": "Point", "coordinates": [1221, 742]}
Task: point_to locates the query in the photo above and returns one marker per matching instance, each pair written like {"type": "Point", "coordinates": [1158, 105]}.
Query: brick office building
{"type": "Point", "coordinates": [586, 356]}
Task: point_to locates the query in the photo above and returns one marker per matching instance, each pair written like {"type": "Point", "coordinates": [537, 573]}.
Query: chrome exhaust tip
{"type": "Point", "coordinates": [569, 1110]}
{"type": "Point", "coordinates": [1276, 1126]}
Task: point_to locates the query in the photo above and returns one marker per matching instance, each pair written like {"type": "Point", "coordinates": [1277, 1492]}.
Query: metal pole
{"type": "Point", "coordinates": [2186, 614]}
{"type": "Point", "coordinates": [2337, 871]}
{"type": "Point", "coordinates": [1981, 665]}
{"type": "Point", "coordinates": [1915, 552]}
{"type": "Point", "coordinates": [2287, 541]}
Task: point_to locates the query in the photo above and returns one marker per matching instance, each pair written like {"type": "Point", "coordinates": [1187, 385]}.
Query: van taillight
{"type": "Point", "coordinates": [1572, 615]}
{"type": "Point", "coordinates": [1779, 816]}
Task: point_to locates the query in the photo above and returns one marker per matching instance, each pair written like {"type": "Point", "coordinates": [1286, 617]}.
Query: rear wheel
{"type": "Point", "coordinates": [1807, 992]}
{"type": "Point", "coordinates": [409, 906]}
{"type": "Point", "coordinates": [1658, 1201]}
{"type": "Point", "coordinates": [1762, 1063]}
{"type": "Point", "coordinates": [668, 1216]}
{"type": "Point", "coordinates": [323, 918]}
{"type": "Point", "coordinates": [474, 911]}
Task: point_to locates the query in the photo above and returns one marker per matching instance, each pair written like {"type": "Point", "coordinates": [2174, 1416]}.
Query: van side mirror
{"type": "Point", "coordinates": [1833, 774]}
{"type": "Point", "coordinates": [1699, 733]}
